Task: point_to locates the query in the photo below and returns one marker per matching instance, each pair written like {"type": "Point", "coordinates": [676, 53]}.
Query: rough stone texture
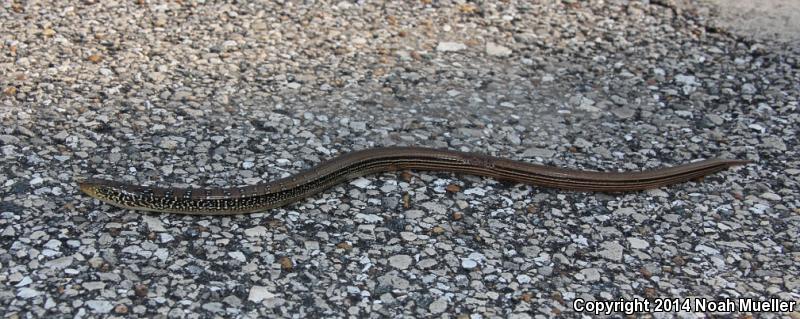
{"type": "Point", "coordinates": [207, 94]}
{"type": "Point", "coordinates": [764, 19]}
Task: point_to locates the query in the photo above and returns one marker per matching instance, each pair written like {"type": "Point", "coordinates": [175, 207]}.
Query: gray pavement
{"type": "Point", "coordinates": [770, 20]}
{"type": "Point", "coordinates": [212, 94]}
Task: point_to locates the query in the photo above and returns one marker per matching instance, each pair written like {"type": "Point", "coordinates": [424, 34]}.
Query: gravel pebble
{"type": "Point", "coordinates": [153, 223]}
{"type": "Point", "coordinates": [237, 255]}
{"type": "Point", "coordinates": [259, 293]}
{"type": "Point", "coordinates": [450, 46]}
{"type": "Point", "coordinates": [60, 263]}
{"type": "Point", "coordinates": [771, 196]}
{"type": "Point", "coordinates": [400, 261]}
{"type": "Point", "coordinates": [9, 139]}
{"type": "Point", "coordinates": [26, 293]}
{"type": "Point", "coordinates": [257, 231]}
{"type": "Point", "coordinates": [467, 263]}
{"type": "Point", "coordinates": [638, 243]}
{"type": "Point", "coordinates": [100, 306]}
{"type": "Point", "coordinates": [538, 152]}
{"type": "Point", "coordinates": [591, 274]}
{"type": "Point", "coordinates": [611, 250]}
{"type": "Point", "coordinates": [438, 306]}
{"type": "Point", "coordinates": [360, 182]}
{"type": "Point", "coordinates": [497, 50]}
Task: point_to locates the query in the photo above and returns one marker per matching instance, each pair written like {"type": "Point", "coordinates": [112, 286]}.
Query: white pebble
{"type": "Point", "coordinates": [467, 263]}
{"type": "Point", "coordinates": [238, 255]}
{"type": "Point", "coordinates": [637, 243]}
{"type": "Point", "coordinates": [36, 181]}
{"type": "Point", "coordinates": [259, 293]}
{"type": "Point", "coordinates": [26, 293]}
{"type": "Point", "coordinates": [53, 244]}
{"type": "Point", "coordinates": [258, 231]}
{"type": "Point", "coordinates": [771, 196]}
{"type": "Point", "coordinates": [400, 261]}
{"type": "Point", "coordinates": [475, 191]}
{"type": "Point", "coordinates": [450, 46]}
{"type": "Point", "coordinates": [360, 182]}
